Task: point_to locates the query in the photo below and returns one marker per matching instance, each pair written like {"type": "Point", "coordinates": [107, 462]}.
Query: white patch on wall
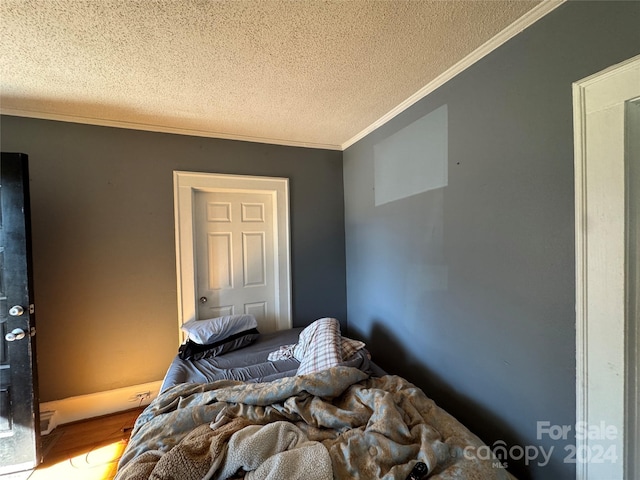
{"type": "Point", "coordinates": [412, 160]}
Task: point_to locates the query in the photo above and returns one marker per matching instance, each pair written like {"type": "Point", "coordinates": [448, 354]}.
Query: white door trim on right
{"type": "Point", "coordinates": [185, 184]}
{"type": "Point", "coordinates": [601, 323]}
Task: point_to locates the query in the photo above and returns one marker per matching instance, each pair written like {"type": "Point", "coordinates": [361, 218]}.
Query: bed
{"type": "Point", "coordinates": [299, 403]}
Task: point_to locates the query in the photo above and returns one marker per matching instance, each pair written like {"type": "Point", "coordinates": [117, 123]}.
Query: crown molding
{"type": "Point", "coordinates": [102, 122]}
{"type": "Point", "coordinates": [528, 19]}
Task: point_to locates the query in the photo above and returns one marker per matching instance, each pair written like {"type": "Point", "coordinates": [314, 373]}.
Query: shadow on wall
{"type": "Point", "coordinates": [389, 353]}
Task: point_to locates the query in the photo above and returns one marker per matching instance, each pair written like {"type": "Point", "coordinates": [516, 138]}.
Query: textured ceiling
{"type": "Point", "coordinates": [316, 73]}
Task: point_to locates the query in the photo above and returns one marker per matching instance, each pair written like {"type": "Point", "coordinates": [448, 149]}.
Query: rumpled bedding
{"type": "Point", "coordinates": [320, 346]}
{"type": "Point", "coordinates": [371, 428]}
{"type": "Point", "coordinates": [278, 450]}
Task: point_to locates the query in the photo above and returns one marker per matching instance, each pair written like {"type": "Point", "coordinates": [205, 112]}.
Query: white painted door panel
{"type": "Point", "coordinates": [236, 264]}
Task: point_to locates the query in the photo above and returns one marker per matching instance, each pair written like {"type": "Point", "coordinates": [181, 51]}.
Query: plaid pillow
{"type": "Point", "coordinates": [350, 347]}
{"type": "Point", "coordinates": [324, 333]}
{"type": "Point", "coordinates": [319, 346]}
{"type": "Point", "coordinates": [284, 352]}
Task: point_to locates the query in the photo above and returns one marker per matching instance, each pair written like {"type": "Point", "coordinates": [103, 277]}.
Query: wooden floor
{"type": "Point", "coordinates": [87, 450]}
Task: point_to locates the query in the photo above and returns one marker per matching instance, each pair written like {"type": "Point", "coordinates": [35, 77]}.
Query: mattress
{"type": "Point", "coordinates": [250, 364]}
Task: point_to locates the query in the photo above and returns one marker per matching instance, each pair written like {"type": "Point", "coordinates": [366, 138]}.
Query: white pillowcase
{"type": "Point", "coordinates": [219, 328]}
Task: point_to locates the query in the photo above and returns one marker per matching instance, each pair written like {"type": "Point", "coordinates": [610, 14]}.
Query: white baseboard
{"type": "Point", "coordinates": [47, 421]}
{"type": "Point", "coordinates": [72, 409]}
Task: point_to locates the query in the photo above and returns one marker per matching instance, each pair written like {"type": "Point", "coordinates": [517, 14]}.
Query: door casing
{"type": "Point", "coordinates": [185, 184]}
{"type": "Point", "coordinates": [604, 380]}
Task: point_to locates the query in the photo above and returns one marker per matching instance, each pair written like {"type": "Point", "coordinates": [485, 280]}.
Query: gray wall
{"type": "Point", "coordinates": [103, 243]}
{"type": "Point", "coordinates": [468, 289]}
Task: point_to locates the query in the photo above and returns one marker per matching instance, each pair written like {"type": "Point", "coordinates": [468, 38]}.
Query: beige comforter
{"type": "Point", "coordinates": [369, 428]}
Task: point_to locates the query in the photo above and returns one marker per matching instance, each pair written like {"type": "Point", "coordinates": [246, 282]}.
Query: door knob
{"type": "Point", "coordinates": [16, 334]}
{"type": "Point", "coordinates": [16, 311]}
{"type": "Point", "coordinates": [203, 299]}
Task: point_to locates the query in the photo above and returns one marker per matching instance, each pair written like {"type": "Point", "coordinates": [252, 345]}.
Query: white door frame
{"type": "Point", "coordinates": [185, 185]}
{"type": "Point", "coordinates": [601, 301]}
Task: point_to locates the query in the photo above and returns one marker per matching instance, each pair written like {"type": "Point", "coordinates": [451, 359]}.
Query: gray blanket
{"type": "Point", "coordinates": [373, 428]}
{"type": "Point", "coordinates": [278, 450]}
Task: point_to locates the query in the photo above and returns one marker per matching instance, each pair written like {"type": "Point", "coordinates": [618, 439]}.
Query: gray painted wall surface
{"type": "Point", "coordinates": [468, 290]}
{"type": "Point", "coordinates": [104, 251]}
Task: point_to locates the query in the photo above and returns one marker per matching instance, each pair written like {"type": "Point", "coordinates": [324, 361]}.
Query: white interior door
{"type": "Point", "coordinates": [232, 248]}
{"type": "Point", "coordinates": [606, 312]}
{"type": "Point", "coordinates": [236, 258]}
